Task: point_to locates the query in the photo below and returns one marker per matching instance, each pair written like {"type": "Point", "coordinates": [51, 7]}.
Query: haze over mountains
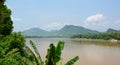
{"type": "Point", "coordinates": [66, 31]}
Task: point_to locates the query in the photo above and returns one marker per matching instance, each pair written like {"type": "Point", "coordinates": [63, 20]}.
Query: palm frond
{"type": "Point", "coordinates": [72, 61]}
{"type": "Point", "coordinates": [40, 62]}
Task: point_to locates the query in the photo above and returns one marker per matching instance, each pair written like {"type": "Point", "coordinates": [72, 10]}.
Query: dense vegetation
{"type": "Point", "coordinates": [105, 35]}
{"type": "Point", "coordinates": [5, 19]}
{"type": "Point", "coordinates": [13, 51]}
{"type": "Point", "coordinates": [13, 48]}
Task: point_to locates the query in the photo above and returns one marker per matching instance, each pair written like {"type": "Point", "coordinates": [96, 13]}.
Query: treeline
{"type": "Point", "coordinates": [105, 35]}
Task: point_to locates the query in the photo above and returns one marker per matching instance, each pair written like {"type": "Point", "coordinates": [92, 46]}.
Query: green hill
{"type": "Point", "coordinates": [66, 31]}
{"type": "Point", "coordinates": [35, 32]}
{"type": "Point", "coordinates": [111, 30]}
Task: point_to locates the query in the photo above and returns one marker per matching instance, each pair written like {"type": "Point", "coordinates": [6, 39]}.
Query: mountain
{"type": "Point", "coordinates": [111, 30]}
{"type": "Point", "coordinates": [66, 31]}
{"type": "Point", "coordinates": [35, 32]}
{"type": "Point", "coordinates": [70, 30]}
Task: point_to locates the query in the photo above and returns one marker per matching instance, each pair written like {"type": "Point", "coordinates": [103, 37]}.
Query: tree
{"type": "Point", "coordinates": [5, 19]}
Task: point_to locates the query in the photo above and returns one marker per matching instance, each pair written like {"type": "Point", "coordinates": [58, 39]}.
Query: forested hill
{"type": "Point", "coordinates": [112, 30]}
{"type": "Point", "coordinates": [70, 30]}
{"type": "Point", "coordinates": [66, 31]}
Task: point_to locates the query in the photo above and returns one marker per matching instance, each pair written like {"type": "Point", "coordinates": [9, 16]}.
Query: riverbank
{"type": "Point", "coordinates": [98, 42]}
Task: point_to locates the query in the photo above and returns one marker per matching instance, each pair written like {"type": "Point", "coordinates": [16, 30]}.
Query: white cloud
{"type": "Point", "coordinates": [16, 19]}
{"type": "Point", "coordinates": [96, 17]}
{"type": "Point", "coordinates": [96, 22]}
{"type": "Point", "coordinates": [103, 25]}
{"type": "Point", "coordinates": [52, 26]}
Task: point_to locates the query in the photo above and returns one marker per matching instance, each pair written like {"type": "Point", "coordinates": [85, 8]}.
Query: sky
{"type": "Point", "coordinates": [54, 14]}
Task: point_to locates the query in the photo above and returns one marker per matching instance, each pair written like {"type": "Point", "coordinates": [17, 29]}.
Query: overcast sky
{"type": "Point", "coordinates": [54, 14]}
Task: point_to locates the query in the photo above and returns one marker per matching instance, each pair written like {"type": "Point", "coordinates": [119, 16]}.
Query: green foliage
{"type": "Point", "coordinates": [37, 56]}
{"type": "Point", "coordinates": [106, 36]}
{"type": "Point", "coordinates": [54, 54]}
{"type": "Point", "coordinates": [13, 51]}
{"type": "Point", "coordinates": [5, 19]}
{"type": "Point", "coordinates": [10, 42]}
{"type": "Point", "coordinates": [72, 61]}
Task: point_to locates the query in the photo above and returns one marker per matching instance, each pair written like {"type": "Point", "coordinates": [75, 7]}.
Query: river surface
{"type": "Point", "coordinates": [90, 52]}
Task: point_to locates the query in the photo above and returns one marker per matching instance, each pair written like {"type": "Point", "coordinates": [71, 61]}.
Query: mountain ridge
{"type": "Point", "coordinates": [66, 31]}
{"type": "Point", "coordinates": [34, 32]}
{"type": "Point", "coordinates": [111, 30]}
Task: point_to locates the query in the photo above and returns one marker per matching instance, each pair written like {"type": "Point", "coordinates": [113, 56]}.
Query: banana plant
{"type": "Point", "coordinates": [53, 56]}
{"type": "Point", "coordinates": [38, 57]}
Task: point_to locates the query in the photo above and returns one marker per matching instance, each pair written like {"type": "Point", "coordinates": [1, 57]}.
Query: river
{"type": "Point", "coordinates": [90, 52]}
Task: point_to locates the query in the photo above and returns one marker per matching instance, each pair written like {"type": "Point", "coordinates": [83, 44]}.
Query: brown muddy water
{"type": "Point", "coordinates": [90, 52]}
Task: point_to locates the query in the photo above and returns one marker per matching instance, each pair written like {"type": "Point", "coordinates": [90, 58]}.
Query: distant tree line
{"type": "Point", "coordinates": [105, 35]}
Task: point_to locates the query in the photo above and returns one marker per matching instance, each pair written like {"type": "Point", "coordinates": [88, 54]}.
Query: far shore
{"type": "Point", "coordinates": [80, 39]}
{"type": "Point", "coordinates": [98, 40]}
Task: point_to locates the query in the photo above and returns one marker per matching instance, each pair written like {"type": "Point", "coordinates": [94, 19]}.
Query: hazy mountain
{"type": "Point", "coordinates": [111, 30]}
{"type": "Point", "coordinates": [35, 32]}
{"type": "Point", "coordinates": [53, 31]}
{"type": "Point", "coordinates": [66, 31]}
{"type": "Point", "coordinates": [70, 30]}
